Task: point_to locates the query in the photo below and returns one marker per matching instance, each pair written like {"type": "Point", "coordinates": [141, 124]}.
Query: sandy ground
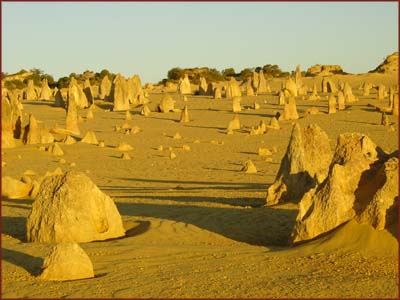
{"type": "Point", "coordinates": [196, 225]}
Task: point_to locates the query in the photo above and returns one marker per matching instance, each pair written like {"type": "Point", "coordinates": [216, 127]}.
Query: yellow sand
{"type": "Point", "coordinates": [195, 224]}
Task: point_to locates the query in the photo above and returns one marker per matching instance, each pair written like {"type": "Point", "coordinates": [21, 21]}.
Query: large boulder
{"type": "Point", "coordinates": [299, 170]}
{"type": "Point", "coordinates": [70, 208]}
{"type": "Point", "coordinates": [167, 104]}
{"type": "Point", "coordinates": [14, 189]}
{"type": "Point", "coordinates": [334, 201]}
{"type": "Point", "coordinates": [66, 261]}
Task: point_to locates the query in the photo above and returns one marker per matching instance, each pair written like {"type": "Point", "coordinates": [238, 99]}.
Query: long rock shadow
{"type": "Point", "coordinates": [30, 263]}
{"type": "Point", "coordinates": [257, 226]}
{"type": "Point", "coordinates": [15, 227]}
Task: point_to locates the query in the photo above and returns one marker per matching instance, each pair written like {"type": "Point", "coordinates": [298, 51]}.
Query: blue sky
{"type": "Point", "coordinates": [150, 38]}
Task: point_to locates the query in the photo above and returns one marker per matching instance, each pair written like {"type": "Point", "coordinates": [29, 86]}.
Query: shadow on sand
{"type": "Point", "coordinates": [30, 263]}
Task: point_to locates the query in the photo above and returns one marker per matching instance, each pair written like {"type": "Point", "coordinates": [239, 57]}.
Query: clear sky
{"type": "Point", "coordinates": [150, 38]}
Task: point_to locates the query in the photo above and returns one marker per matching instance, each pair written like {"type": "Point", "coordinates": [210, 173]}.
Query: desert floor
{"type": "Point", "coordinates": [196, 224]}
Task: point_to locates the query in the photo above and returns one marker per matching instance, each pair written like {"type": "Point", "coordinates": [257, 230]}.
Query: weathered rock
{"type": "Point", "coordinates": [249, 167]}
{"type": "Point", "coordinates": [14, 189]}
{"type": "Point", "coordinates": [90, 138]}
{"type": "Point", "coordinates": [262, 83]}
{"type": "Point", "coordinates": [75, 91]}
{"type": "Point", "coordinates": [385, 120]}
{"type": "Point", "coordinates": [328, 86]}
{"type": "Point", "coordinates": [289, 110]}
{"type": "Point", "coordinates": [381, 207]}
{"type": "Point", "coordinates": [145, 111]}
{"type": "Point", "coordinates": [203, 87]}
{"type": "Point", "coordinates": [185, 115]}
{"type": "Point", "coordinates": [66, 261]}
{"type": "Point", "coordinates": [30, 93]}
{"type": "Point", "coordinates": [291, 87]}
{"type": "Point", "coordinates": [32, 132]}
{"type": "Point", "coordinates": [273, 124]}
{"type": "Point", "coordinates": [232, 89]}
{"type": "Point", "coordinates": [381, 92]}
{"type": "Point", "coordinates": [331, 104]}
{"type": "Point", "coordinates": [332, 202]}
{"type": "Point", "coordinates": [125, 156]}
{"type": "Point", "coordinates": [7, 135]}
{"type": "Point", "coordinates": [234, 124]}
{"type": "Point", "coordinates": [119, 94]}
{"type": "Point", "coordinates": [105, 88]}
{"type": "Point", "coordinates": [124, 147]}
{"type": "Point", "coordinates": [69, 140]}
{"type": "Point", "coordinates": [299, 171]}
{"type": "Point", "coordinates": [45, 93]}
{"type": "Point", "coordinates": [55, 149]}
{"type": "Point", "coordinates": [236, 107]}
{"type": "Point", "coordinates": [59, 99]}
{"type": "Point", "coordinates": [348, 94]}
{"type": "Point", "coordinates": [367, 88]}
{"type": "Point", "coordinates": [70, 208]}
{"type": "Point", "coordinates": [87, 90]}
{"type": "Point", "coordinates": [341, 101]}
{"type": "Point", "coordinates": [72, 113]}
{"type": "Point", "coordinates": [282, 99]}
{"type": "Point", "coordinates": [135, 91]}
{"type": "Point", "coordinates": [166, 104]}
{"type": "Point", "coordinates": [217, 93]}
{"type": "Point", "coordinates": [314, 95]}
{"type": "Point", "coordinates": [324, 69]}
{"type": "Point", "coordinates": [184, 85]}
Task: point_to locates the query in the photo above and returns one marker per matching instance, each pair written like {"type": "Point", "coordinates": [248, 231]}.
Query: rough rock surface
{"type": "Point", "coordinates": [167, 104]}
{"type": "Point", "coordinates": [391, 64]}
{"type": "Point", "coordinates": [184, 86]}
{"type": "Point", "coordinates": [333, 202]}
{"type": "Point", "coordinates": [14, 189]}
{"type": "Point", "coordinates": [299, 170]}
{"type": "Point", "coordinates": [70, 208]}
{"type": "Point", "coordinates": [66, 261]}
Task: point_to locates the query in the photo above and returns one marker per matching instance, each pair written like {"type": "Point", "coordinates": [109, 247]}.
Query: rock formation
{"type": "Point", "coordinates": [184, 86]}
{"type": "Point", "coordinates": [395, 105]}
{"type": "Point", "coordinates": [32, 132]}
{"type": "Point", "coordinates": [381, 92]}
{"type": "Point", "coordinates": [234, 124]}
{"type": "Point", "coordinates": [90, 138]}
{"type": "Point", "coordinates": [45, 93]}
{"type": "Point", "coordinates": [273, 124]}
{"type": "Point", "coordinates": [30, 93]}
{"type": "Point", "coordinates": [291, 87]}
{"type": "Point", "coordinates": [232, 89]}
{"type": "Point", "coordinates": [331, 104]}
{"type": "Point", "coordinates": [289, 110]}
{"type": "Point", "coordinates": [145, 111]}
{"type": "Point", "coordinates": [70, 208]}
{"type": "Point", "coordinates": [314, 95]}
{"type": "Point", "coordinates": [236, 104]}
{"type": "Point", "coordinates": [345, 191]}
{"type": "Point", "coordinates": [348, 94]}
{"type": "Point", "coordinates": [203, 87]}
{"type": "Point", "coordinates": [72, 114]}
{"type": "Point", "coordinates": [14, 189]}
{"type": "Point", "coordinates": [341, 101]}
{"type": "Point", "coordinates": [319, 70]}
{"type": "Point", "coordinates": [75, 92]}
{"type": "Point", "coordinates": [185, 115]}
{"type": "Point", "coordinates": [167, 104]}
{"type": "Point", "coordinates": [59, 99]}
{"type": "Point", "coordinates": [328, 86]}
{"type": "Point", "coordinates": [282, 99]}
{"type": "Point", "coordinates": [249, 167]}
{"type": "Point", "coordinates": [66, 261]}
{"type": "Point", "coordinates": [262, 83]}
{"type": "Point", "coordinates": [119, 94]}
{"type": "Point", "coordinates": [299, 171]}
{"type": "Point", "coordinates": [55, 149]}
{"type": "Point", "coordinates": [7, 135]}
{"type": "Point", "coordinates": [105, 88]}
{"type": "Point", "coordinates": [217, 93]}
{"type": "Point", "coordinates": [366, 88]}
{"type": "Point", "coordinates": [87, 90]}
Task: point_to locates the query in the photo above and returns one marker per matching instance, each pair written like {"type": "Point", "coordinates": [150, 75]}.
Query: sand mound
{"type": "Point", "coordinates": [355, 237]}
{"type": "Point", "coordinates": [67, 261]}
{"type": "Point", "coordinates": [70, 208]}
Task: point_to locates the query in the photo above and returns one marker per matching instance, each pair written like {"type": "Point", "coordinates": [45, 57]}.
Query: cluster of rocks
{"type": "Point", "coordinates": [357, 181]}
